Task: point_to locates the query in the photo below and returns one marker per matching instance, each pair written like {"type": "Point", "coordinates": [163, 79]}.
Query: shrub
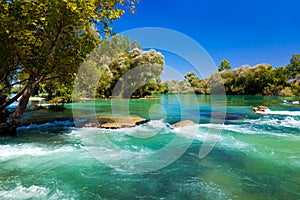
{"type": "Point", "coordinates": [57, 107]}
{"type": "Point", "coordinates": [287, 91]}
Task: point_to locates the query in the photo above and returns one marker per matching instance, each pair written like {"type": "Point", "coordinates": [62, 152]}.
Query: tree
{"type": "Point", "coordinates": [258, 79]}
{"type": "Point", "coordinates": [199, 85]}
{"type": "Point", "coordinates": [293, 69]}
{"type": "Point", "coordinates": [134, 73]}
{"type": "Point", "coordinates": [215, 84]}
{"type": "Point", "coordinates": [47, 40]}
{"type": "Point", "coordinates": [190, 76]}
{"type": "Point", "coordinates": [228, 77]}
{"type": "Point", "coordinates": [225, 65]}
{"type": "Point", "coordinates": [278, 83]}
{"type": "Point", "coordinates": [103, 67]}
{"type": "Point", "coordinates": [180, 87]}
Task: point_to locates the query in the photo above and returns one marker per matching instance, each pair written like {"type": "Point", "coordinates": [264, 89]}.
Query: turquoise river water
{"type": "Point", "coordinates": [254, 156]}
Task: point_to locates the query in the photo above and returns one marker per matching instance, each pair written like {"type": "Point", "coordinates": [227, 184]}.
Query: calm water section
{"type": "Point", "coordinates": [256, 157]}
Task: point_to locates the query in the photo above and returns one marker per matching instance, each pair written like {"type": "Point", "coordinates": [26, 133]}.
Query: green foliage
{"type": "Point", "coordinates": [287, 91]}
{"type": "Point", "coordinates": [119, 65]}
{"type": "Point", "coordinates": [65, 93]}
{"type": "Point", "coordinates": [197, 85]}
{"type": "Point", "coordinates": [137, 72]}
{"type": "Point", "coordinates": [157, 88]}
{"type": "Point", "coordinates": [225, 65]}
{"type": "Point", "coordinates": [228, 77]}
{"type": "Point", "coordinates": [241, 76]}
{"type": "Point", "coordinates": [293, 69]}
{"type": "Point", "coordinates": [57, 107]}
{"type": "Point", "coordinates": [296, 87]}
{"type": "Point", "coordinates": [48, 40]}
{"type": "Point", "coordinates": [190, 76]}
{"type": "Point", "coordinates": [104, 66]}
{"type": "Point", "coordinates": [215, 84]}
{"type": "Point", "coordinates": [200, 86]}
{"type": "Point", "coordinates": [261, 79]}
{"type": "Point", "coordinates": [180, 87]}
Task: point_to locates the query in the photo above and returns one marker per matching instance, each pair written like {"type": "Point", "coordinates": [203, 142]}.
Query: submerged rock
{"type": "Point", "coordinates": [260, 109]}
{"type": "Point", "coordinates": [115, 122]}
{"type": "Point", "coordinates": [235, 117]}
{"type": "Point", "coordinates": [183, 123]}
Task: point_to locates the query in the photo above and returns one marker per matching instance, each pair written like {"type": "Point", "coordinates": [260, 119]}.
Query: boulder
{"type": "Point", "coordinates": [183, 123]}
{"type": "Point", "coordinates": [115, 122]}
{"type": "Point", "coordinates": [260, 109]}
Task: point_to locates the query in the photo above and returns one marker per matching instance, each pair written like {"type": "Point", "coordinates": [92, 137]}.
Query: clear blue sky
{"type": "Point", "coordinates": [242, 31]}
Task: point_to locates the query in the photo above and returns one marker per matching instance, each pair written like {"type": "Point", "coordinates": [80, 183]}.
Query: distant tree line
{"type": "Point", "coordinates": [261, 79]}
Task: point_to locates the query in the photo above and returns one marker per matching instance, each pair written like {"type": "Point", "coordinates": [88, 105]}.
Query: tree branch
{"type": "Point", "coordinates": [7, 73]}
{"type": "Point", "coordinates": [8, 86]}
{"type": "Point", "coordinates": [15, 98]}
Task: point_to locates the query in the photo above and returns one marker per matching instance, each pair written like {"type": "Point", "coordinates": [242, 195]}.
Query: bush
{"type": "Point", "coordinates": [57, 107]}
{"type": "Point", "coordinates": [287, 91]}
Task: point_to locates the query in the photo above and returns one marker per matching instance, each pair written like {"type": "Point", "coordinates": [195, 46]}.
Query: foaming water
{"type": "Point", "coordinates": [147, 130]}
{"type": "Point", "coordinates": [287, 121]}
{"type": "Point", "coordinates": [57, 125]}
{"type": "Point", "coordinates": [32, 192]}
{"type": "Point", "coordinates": [284, 126]}
{"type": "Point", "coordinates": [21, 192]}
{"type": "Point", "coordinates": [20, 150]}
{"type": "Point", "coordinates": [281, 112]}
{"type": "Point", "coordinates": [255, 157]}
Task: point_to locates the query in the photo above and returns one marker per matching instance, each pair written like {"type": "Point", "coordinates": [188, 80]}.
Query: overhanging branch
{"type": "Point", "coordinates": [15, 98]}
{"type": "Point", "coordinates": [10, 85]}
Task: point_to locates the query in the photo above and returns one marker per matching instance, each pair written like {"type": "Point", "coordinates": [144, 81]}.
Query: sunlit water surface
{"type": "Point", "coordinates": [255, 157]}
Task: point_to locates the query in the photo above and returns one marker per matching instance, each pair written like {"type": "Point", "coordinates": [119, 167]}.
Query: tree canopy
{"type": "Point", "coordinates": [113, 67]}
{"type": "Point", "coordinates": [225, 65]}
{"type": "Point", "coordinates": [293, 69]}
{"type": "Point", "coordinates": [43, 40]}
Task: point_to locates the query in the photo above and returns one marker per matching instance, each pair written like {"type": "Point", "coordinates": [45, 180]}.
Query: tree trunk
{"type": "Point", "coordinates": [18, 112]}
{"type": "Point", "coordinates": [12, 100]}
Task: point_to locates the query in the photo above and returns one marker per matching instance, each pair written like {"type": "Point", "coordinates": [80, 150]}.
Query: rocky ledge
{"type": "Point", "coordinates": [260, 109]}
{"type": "Point", "coordinates": [115, 122]}
{"type": "Point", "coordinates": [183, 123]}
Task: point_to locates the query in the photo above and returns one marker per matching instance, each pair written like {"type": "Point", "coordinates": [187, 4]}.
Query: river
{"type": "Point", "coordinates": [253, 156]}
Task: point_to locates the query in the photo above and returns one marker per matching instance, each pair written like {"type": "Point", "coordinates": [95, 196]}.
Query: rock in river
{"type": "Point", "coordinates": [115, 122]}
{"type": "Point", "coordinates": [260, 109]}
{"type": "Point", "coordinates": [183, 123]}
